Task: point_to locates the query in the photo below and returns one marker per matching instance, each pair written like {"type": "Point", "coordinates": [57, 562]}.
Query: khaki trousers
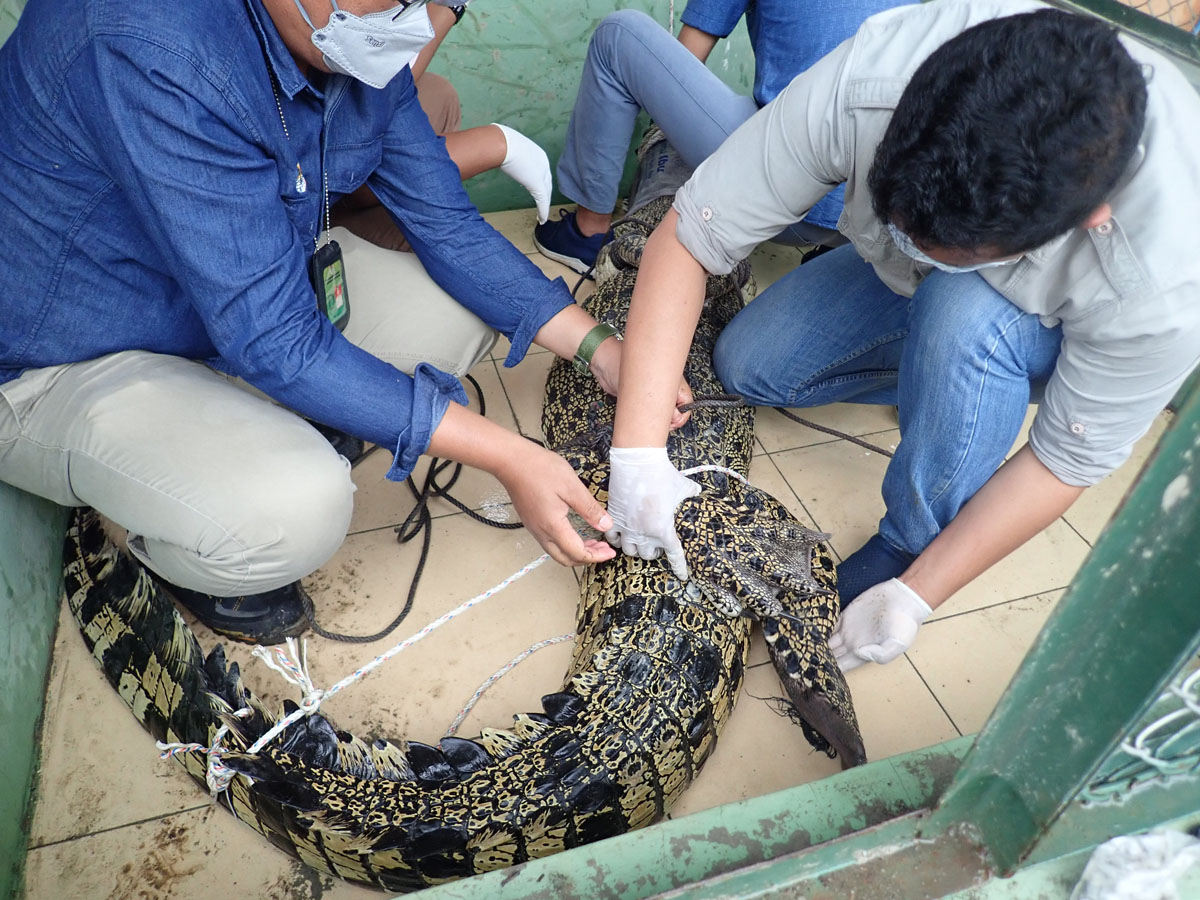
{"type": "Point", "coordinates": [220, 489]}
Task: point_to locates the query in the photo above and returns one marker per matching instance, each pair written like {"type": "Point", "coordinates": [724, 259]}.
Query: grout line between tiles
{"type": "Point", "coordinates": [77, 837]}
{"type": "Point", "coordinates": [967, 612]}
{"type": "Point", "coordinates": [807, 511]}
{"type": "Point", "coordinates": [1067, 522]}
{"type": "Point", "coordinates": [830, 439]}
{"type": "Point", "coordinates": [934, 695]}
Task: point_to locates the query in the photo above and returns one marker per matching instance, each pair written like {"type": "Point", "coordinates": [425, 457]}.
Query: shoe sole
{"type": "Point", "coordinates": [571, 262]}
{"type": "Point", "coordinates": [295, 628]}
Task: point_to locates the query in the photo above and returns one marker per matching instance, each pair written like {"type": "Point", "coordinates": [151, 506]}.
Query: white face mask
{"type": "Point", "coordinates": [906, 246]}
{"type": "Point", "coordinates": [376, 47]}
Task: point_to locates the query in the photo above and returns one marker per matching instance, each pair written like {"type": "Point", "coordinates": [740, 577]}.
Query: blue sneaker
{"type": "Point", "coordinates": [874, 562]}
{"type": "Point", "coordinates": [562, 241]}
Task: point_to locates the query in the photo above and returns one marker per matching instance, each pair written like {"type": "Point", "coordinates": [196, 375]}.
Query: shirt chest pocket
{"type": "Point", "coordinates": [304, 211]}
{"type": "Point", "coordinates": [349, 166]}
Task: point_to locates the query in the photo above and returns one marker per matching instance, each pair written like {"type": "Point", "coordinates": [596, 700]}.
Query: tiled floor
{"type": "Point", "coordinates": [113, 821]}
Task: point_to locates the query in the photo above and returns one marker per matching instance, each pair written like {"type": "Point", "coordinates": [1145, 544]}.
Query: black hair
{"type": "Point", "coordinates": [1010, 133]}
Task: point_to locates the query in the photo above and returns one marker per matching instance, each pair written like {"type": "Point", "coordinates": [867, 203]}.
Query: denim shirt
{"type": "Point", "coordinates": [149, 200]}
{"type": "Point", "coordinates": [787, 37]}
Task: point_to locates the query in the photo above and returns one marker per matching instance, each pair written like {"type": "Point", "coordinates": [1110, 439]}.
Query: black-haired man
{"type": "Point", "coordinates": [1021, 191]}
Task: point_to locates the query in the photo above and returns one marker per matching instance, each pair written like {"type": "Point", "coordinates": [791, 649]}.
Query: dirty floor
{"type": "Point", "coordinates": [112, 821]}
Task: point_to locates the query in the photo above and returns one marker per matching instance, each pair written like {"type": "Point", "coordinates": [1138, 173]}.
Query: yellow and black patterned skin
{"type": "Point", "coordinates": [656, 671]}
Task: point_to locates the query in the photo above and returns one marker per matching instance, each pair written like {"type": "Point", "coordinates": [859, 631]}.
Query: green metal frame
{"type": "Point", "coordinates": [30, 572]}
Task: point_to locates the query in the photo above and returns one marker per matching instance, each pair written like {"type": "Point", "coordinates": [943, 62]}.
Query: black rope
{"type": "Point", "coordinates": [419, 522]}
{"type": "Point", "coordinates": [735, 400]}
{"type": "Point", "coordinates": [833, 431]}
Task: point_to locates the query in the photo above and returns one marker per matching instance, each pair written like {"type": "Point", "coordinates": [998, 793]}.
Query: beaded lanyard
{"type": "Point", "coordinates": [301, 181]}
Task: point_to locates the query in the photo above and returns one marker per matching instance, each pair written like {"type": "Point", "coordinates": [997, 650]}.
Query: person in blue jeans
{"type": "Point", "coordinates": [633, 63]}
{"type": "Point", "coordinates": [1021, 196]}
{"type": "Point", "coordinates": [165, 187]}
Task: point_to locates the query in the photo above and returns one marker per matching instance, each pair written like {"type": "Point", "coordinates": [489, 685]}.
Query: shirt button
{"type": "Point", "coordinates": [1104, 227]}
{"type": "Point", "coordinates": [1078, 428]}
{"type": "Point", "coordinates": [706, 214]}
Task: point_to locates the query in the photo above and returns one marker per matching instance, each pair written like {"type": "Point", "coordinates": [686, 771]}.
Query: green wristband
{"type": "Point", "coordinates": [592, 340]}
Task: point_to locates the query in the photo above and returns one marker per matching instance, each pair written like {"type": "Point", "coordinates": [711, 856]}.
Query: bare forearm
{"type": "Point", "coordinates": [699, 43]}
{"type": "Point", "coordinates": [476, 150]}
{"type": "Point", "coordinates": [1016, 503]}
{"type": "Point", "coordinates": [666, 304]}
{"type": "Point", "coordinates": [471, 439]}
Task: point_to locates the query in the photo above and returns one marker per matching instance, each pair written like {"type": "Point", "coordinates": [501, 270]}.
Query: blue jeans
{"type": "Point", "coordinates": [958, 359]}
{"type": "Point", "coordinates": [633, 63]}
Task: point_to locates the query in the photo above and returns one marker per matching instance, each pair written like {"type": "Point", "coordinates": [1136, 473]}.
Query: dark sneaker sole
{"type": "Point", "coordinates": [250, 631]}
{"type": "Point", "coordinates": [278, 636]}
{"type": "Point", "coordinates": [571, 262]}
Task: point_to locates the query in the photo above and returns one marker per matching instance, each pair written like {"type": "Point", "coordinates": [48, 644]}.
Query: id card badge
{"type": "Point", "coordinates": [328, 276]}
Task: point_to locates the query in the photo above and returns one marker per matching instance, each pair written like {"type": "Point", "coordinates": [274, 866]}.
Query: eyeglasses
{"type": "Point", "coordinates": [906, 246]}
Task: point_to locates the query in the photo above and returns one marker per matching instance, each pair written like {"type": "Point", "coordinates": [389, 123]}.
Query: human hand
{"type": "Point", "coordinates": [644, 488]}
{"type": "Point", "coordinates": [527, 164]}
{"type": "Point", "coordinates": [606, 366]}
{"type": "Point", "coordinates": [544, 489]}
{"type": "Point", "coordinates": [878, 625]}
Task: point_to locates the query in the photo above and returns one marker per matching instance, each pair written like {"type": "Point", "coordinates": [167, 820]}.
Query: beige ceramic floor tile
{"type": "Point", "coordinates": [777, 432]}
{"type": "Point", "coordinates": [968, 660]}
{"type": "Point", "coordinates": [838, 483]}
{"type": "Point", "coordinates": [417, 693]}
{"type": "Point", "coordinates": [201, 853]}
{"type": "Point", "coordinates": [896, 712]}
{"type": "Point", "coordinates": [525, 385]}
{"type": "Point", "coordinates": [1047, 562]}
{"type": "Point", "coordinates": [99, 767]}
{"type": "Point", "coordinates": [765, 475]}
{"type": "Point", "coordinates": [1091, 512]}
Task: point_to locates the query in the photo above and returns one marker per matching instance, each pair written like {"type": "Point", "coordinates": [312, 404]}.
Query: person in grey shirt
{"type": "Point", "coordinates": [1021, 198]}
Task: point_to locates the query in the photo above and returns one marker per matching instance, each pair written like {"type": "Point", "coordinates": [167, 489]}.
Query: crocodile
{"type": "Point", "coordinates": [656, 669]}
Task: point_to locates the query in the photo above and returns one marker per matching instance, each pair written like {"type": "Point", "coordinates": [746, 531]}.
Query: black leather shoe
{"type": "Point", "coordinates": [268, 618]}
{"type": "Point", "coordinates": [346, 445]}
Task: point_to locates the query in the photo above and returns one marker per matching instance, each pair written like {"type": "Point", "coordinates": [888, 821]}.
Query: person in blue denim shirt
{"type": "Point", "coordinates": [167, 171]}
{"type": "Point", "coordinates": [634, 64]}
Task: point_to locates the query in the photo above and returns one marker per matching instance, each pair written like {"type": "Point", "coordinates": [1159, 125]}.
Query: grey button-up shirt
{"type": "Point", "coordinates": [1127, 293]}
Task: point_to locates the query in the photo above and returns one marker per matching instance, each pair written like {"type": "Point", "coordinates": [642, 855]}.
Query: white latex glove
{"type": "Point", "coordinates": [644, 489]}
{"type": "Point", "coordinates": [527, 164]}
{"type": "Point", "coordinates": [878, 625]}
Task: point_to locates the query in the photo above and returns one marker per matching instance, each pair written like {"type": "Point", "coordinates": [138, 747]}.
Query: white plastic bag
{"type": "Point", "coordinates": [1138, 867]}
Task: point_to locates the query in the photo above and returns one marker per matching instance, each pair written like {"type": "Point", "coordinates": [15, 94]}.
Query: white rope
{"type": "Point", "coordinates": [500, 673]}
{"type": "Point", "coordinates": [696, 469]}
{"type": "Point", "coordinates": [294, 668]}
{"type": "Point", "coordinates": [218, 775]}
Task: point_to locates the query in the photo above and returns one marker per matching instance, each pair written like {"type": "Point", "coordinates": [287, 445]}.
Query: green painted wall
{"type": "Point", "coordinates": [30, 561]}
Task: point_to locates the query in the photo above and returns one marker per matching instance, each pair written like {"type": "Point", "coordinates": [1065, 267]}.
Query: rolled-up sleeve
{"type": "Point", "coordinates": [770, 171]}
{"type": "Point", "coordinates": [717, 17]}
{"type": "Point", "coordinates": [1105, 393]}
{"type": "Point", "coordinates": [480, 268]}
